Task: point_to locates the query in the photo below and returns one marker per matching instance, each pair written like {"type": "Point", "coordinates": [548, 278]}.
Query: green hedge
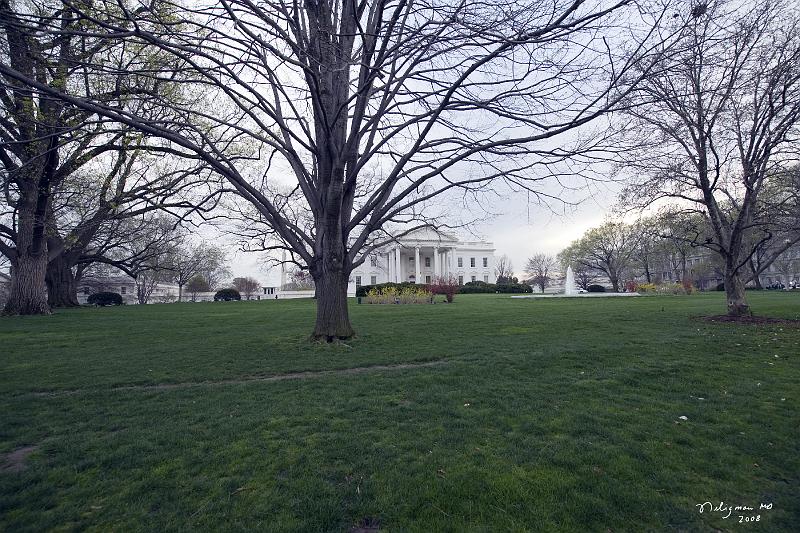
{"type": "Point", "coordinates": [481, 287]}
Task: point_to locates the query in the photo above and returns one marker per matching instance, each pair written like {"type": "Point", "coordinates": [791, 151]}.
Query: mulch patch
{"type": "Point", "coordinates": [756, 320]}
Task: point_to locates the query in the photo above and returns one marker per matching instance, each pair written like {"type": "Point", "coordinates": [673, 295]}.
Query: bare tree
{"type": "Point", "coordinates": [188, 261]}
{"type": "Point", "coordinates": [504, 269]}
{"type": "Point", "coordinates": [541, 269]}
{"type": "Point", "coordinates": [376, 108]}
{"type": "Point", "coordinates": [247, 286]}
{"type": "Point", "coordinates": [716, 118]}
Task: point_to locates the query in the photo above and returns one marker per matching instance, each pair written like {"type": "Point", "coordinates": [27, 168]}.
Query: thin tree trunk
{"type": "Point", "coordinates": [62, 290]}
{"type": "Point", "coordinates": [333, 318]}
{"type": "Point", "coordinates": [756, 277]}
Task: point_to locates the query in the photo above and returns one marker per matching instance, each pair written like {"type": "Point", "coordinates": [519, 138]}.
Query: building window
{"type": "Point", "coordinates": [358, 281]}
{"type": "Point", "coordinates": [473, 278]}
{"type": "Point", "coordinates": [427, 261]}
{"type": "Point", "coordinates": [411, 259]}
{"type": "Point", "coordinates": [472, 262]}
{"type": "Point", "coordinates": [486, 279]}
{"type": "Point", "coordinates": [460, 280]}
{"type": "Point", "coordinates": [485, 262]}
{"type": "Point", "coordinates": [460, 262]}
{"type": "Point", "coordinates": [123, 290]}
{"type": "Point", "coordinates": [373, 261]}
{"type": "Point", "coordinates": [373, 280]}
{"type": "Point", "coordinates": [428, 280]}
{"type": "Point", "coordinates": [86, 291]}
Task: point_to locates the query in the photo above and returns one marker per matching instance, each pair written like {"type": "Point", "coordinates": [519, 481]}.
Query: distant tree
{"type": "Point", "coordinates": [196, 285]}
{"type": "Point", "coordinates": [541, 269]}
{"type": "Point", "coordinates": [300, 280]}
{"type": "Point", "coordinates": [189, 260]}
{"type": "Point", "coordinates": [504, 270]}
{"type": "Point", "coordinates": [246, 286]}
{"type": "Point", "coordinates": [607, 249]}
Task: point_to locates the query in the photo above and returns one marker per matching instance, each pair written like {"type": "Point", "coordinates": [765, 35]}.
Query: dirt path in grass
{"type": "Point", "coordinates": [249, 379]}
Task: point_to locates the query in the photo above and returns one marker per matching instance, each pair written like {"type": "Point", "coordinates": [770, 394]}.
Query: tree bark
{"type": "Point", "coordinates": [28, 295]}
{"type": "Point", "coordinates": [735, 295]}
{"type": "Point", "coordinates": [62, 289]}
{"type": "Point", "coordinates": [333, 318]}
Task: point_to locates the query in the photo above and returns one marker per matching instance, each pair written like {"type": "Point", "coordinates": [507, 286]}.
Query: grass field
{"type": "Point", "coordinates": [490, 414]}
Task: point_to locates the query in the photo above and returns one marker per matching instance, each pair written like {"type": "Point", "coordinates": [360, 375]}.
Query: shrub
{"type": "Point", "coordinates": [671, 288]}
{"type": "Point", "coordinates": [477, 287]}
{"type": "Point", "coordinates": [720, 287]}
{"type": "Point", "coordinates": [105, 298]}
{"type": "Point", "coordinates": [596, 288]}
{"type": "Point", "coordinates": [404, 295]}
{"type": "Point", "coordinates": [632, 286]}
{"type": "Point", "coordinates": [364, 290]}
{"type": "Point", "coordinates": [646, 287]}
{"type": "Point", "coordinates": [448, 286]}
{"type": "Point", "coordinates": [227, 295]}
{"type": "Point", "coordinates": [687, 285]}
{"type": "Point", "coordinates": [513, 288]}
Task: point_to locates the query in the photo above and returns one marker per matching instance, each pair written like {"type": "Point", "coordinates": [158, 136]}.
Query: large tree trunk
{"type": "Point", "coordinates": [333, 318]}
{"type": "Point", "coordinates": [28, 295]}
{"type": "Point", "coordinates": [62, 289]}
{"type": "Point", "coordinates": [735, 295]}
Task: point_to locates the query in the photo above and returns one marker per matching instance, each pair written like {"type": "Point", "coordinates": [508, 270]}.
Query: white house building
{"type": "Point", "coordinates": [424, 255]}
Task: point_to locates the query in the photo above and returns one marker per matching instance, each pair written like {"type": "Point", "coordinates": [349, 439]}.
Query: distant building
{"type": "Point", "coordinates": [126, 287]}
{"type": "Point", "coordinates": [422, 256]}
{"type": "Point", "coordinates": [419, 257]}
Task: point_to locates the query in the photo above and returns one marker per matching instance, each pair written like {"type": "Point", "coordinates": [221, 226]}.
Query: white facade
{"type": "Point", "coordinates": [424, 255]}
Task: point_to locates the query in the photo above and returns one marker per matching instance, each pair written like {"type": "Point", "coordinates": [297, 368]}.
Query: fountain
{"type": "Point", "coordinates": [569, 283]}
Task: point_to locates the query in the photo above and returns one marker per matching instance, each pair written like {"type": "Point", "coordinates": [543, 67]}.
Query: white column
{"type": "Point", "coordinates": [388, 266]}
{"type": "Point", "coordinates": [418, 273]}
{"type": "Point", "coordinates": [397, 271]}
{"type": "Point", "coordinates": [436, 266]}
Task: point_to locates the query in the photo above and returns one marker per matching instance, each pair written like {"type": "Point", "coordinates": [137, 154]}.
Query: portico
{"type": "Point", "coordinates": [424, 255]}
{"type": "Point", "coordinates": [417, 263]}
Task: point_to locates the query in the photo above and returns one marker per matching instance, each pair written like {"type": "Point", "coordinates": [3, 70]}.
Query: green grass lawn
{"type": "Point", "coordinates": [535, 415]}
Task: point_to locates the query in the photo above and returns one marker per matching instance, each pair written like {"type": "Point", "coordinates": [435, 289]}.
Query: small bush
{"type": "Point", "coordinates": [405, 295]}
{"type": "Point", "coordinates": [720, 287]}
{"type": "Point", "coordinates": [477, 287]}
{"type": "Point", "coordinates": [104, 298]}
{"type": "Point", "coordinates": [448, 286]}
{"type": "Point", "coordinates": [227, 295]}
{"type": "Point", "coordinates": [596, 288]}
{"type": "Point", "coordinates": [364, 290]}
{"type": "Point", "coordinates": [646, 288]}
